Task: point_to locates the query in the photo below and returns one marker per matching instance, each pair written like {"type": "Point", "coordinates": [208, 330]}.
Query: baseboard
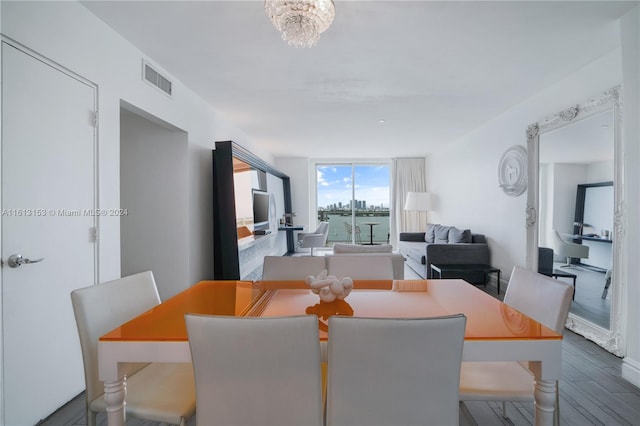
{"type": "Point", "coordinates": [631, 371]}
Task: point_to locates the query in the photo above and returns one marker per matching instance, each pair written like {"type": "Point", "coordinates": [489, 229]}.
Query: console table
{"type": "Point", "coordinates": [449, 269]}
{"type": "Point", "coordinates": [291, 245]}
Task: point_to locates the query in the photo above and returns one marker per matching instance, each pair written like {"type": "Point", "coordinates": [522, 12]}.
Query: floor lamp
{"type": "Point", "coordinates": [418, 201]}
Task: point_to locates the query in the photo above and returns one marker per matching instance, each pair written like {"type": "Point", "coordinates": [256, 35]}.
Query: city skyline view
{"type": "Point", "coordinates": [335, 186]}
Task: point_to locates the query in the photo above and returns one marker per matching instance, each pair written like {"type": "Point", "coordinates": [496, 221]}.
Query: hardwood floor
{"type": "Point", "coordinates": [588, 302]}
{"type": "Point", "coordinates": [591, 393]}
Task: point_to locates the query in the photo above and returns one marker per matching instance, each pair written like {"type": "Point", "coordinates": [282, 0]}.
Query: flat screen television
{"type": "Point", "coordinates": [260, 209]}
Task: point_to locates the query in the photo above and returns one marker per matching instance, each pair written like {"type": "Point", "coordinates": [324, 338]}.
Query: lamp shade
{"type": "Point", "coordinates": [417, 201]}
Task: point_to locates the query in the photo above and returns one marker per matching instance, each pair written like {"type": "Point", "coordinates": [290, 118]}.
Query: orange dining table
{"type": "Point", "coordinates": [494, 331]}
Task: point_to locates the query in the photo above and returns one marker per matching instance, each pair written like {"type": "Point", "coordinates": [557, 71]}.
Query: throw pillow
{"type": "Point", "coordinates": [441, 234]}
{"type": "Point", "coordinates": [430, 236]}
{"type": "Point", "coordinates": [459, 236]}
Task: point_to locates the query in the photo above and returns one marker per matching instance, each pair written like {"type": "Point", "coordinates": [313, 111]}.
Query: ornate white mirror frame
{"type": "Point", "coordinates": [611, 339]}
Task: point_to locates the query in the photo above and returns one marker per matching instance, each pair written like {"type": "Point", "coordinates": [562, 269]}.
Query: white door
{"type": "Point", "coordinates": [48, 181]}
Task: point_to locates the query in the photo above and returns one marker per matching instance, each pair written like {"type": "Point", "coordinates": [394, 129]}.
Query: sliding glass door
{"type": "Point", "coordinates": [354, 198]}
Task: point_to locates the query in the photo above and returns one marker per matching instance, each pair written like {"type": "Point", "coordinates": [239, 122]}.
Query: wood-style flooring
{"type": "Point", "coordinates": [592, 392]}
{"type": "Point", "coordinates": [588, 302]}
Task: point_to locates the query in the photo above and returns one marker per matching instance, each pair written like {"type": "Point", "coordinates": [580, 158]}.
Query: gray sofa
{"type": "Point", "coordinates": [444, 245]}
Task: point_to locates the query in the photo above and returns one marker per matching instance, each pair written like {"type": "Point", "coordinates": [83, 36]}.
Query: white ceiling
{"type": "Point", "coordinates": [433, 71]}
{"type": "Point", "coordinates": [586, 141]}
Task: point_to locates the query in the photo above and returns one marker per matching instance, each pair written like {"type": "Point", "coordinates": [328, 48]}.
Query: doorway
{"type": "Point", "coordinates": [49, 180]}
{"type": "Point", "coordinates": [154, 197]}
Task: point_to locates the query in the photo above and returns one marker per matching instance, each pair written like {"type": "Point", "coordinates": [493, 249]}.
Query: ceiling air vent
{"type": "Point", "coordinates": [154, 77]}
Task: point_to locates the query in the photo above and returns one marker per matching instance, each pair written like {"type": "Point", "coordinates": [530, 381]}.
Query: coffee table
{"type": "Point", "coordinates": [452, 269]}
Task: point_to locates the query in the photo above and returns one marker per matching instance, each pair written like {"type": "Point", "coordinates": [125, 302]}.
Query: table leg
{"type": "Point", "coordinates": [114, 397]}
{"type": "Point", "coordinates": [545, 399]}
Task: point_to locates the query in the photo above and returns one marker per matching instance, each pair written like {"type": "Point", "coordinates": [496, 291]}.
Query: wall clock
{"type": "Point", "coordinates": [512, 171]}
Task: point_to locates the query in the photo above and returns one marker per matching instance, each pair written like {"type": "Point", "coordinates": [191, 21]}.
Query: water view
{"type": "Point", "coordinates": [354, 191]}
{"type": "Point", "coordinates": [339, 225]}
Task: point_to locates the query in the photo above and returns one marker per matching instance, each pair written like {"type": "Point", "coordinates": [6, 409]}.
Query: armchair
{"type": "Point", "coordinates": [318, 238]}
{"type": "Point", "coordinates": [569, 250]}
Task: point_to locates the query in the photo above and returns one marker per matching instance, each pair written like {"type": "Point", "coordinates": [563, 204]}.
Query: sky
{"type": "Point", "coordinates": [371, 184]}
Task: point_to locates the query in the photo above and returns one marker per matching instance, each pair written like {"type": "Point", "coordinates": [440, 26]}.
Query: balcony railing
{"type": "Point", "coordinates": [340, 226]}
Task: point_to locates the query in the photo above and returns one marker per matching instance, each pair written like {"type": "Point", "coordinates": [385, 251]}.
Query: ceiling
{"type": "Point", "coordinates": [433, 71]}
{"type": "Point", "coordinates": [583, 142]}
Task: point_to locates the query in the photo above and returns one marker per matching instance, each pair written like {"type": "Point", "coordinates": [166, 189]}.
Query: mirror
{"type": "Point", "coordinates": [246, 179]}
{"type": "Point", "coordinates": [575, 197]}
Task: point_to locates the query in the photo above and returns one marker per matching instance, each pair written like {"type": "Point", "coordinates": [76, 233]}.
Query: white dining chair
{"type": "Point", "coordinates": [394, 371]}
{"type": "Point", "coordinates": [256, 371]}
{"type": "Point", "coordinates": [360, 267]}
{"type": "Point", "coordinates": [289, 268]}
{"type": "Point", "coordinates": [545, 300]}
{"type": "Point", "coordinates": [161, 392]}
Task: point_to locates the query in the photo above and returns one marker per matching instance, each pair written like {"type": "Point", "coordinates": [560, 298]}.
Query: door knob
{"type": "Point", "coordinates": [15, 260]}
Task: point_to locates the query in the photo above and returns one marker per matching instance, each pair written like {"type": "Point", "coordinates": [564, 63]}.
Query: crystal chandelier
{"type": "Point", "coordinates": [300, 21]}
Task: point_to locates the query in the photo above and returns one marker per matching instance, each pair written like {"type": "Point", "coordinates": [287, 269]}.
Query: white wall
{"type": "Point", "coordinates": [601, 171]}
{"type": "Point", "coordinates": [242, 184]}
{"type": "Point", "coordinates": [275, 188]}
{"type": "Point", "coordinates": [566, 178]}
{"type": "Point", "coordinates": [67, 33]}
{"type": "Point", "coordinates": [299, 174]}
{"type": "Point", "coordinates": [630, 31]}
{"type": "Point", "coordinates": [545, 238]}
{"type": "Point", "coordinates": [154, 233]}
{"type": "Point", "coordinates": [464, 175]}
{"type": "Point", "coordinates": [470, 195]}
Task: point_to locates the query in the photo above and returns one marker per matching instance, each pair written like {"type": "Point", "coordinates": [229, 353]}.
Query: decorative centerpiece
{"type": "Point", "coordinates": [329, 287]}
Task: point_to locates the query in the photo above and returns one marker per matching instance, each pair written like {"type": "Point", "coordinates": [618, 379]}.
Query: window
{"type": "Point", "coordinates": [354, 199]}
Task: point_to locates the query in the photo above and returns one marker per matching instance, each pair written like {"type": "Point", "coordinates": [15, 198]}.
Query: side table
{"type": "Point", "coordinates": [558, 273]}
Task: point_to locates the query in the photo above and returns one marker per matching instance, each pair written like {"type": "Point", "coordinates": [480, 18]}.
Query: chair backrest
{"type": "Point", "coordinates": [545, 260]}
{"type": "Point", "coordinates": [256, 371]}
{"type": "Point", "coordinates": [540, 297]}
{"type": "Point", "coordinates": [360, 267]}
{"type": "Point", "coordinates": [395, 371]}
{"type": "Point", "coordinates": [100, 308]}
{"type": "Point", "coordinates": [317, 238]}
{"type": "Point", "coordinates": [559, 244]}
{"type": "Point", "coordinates": [323, 228]}
{"type": "Point", "coordinates": [568, 249]}
{"type": "Point", "coordinates": [289, 268]}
